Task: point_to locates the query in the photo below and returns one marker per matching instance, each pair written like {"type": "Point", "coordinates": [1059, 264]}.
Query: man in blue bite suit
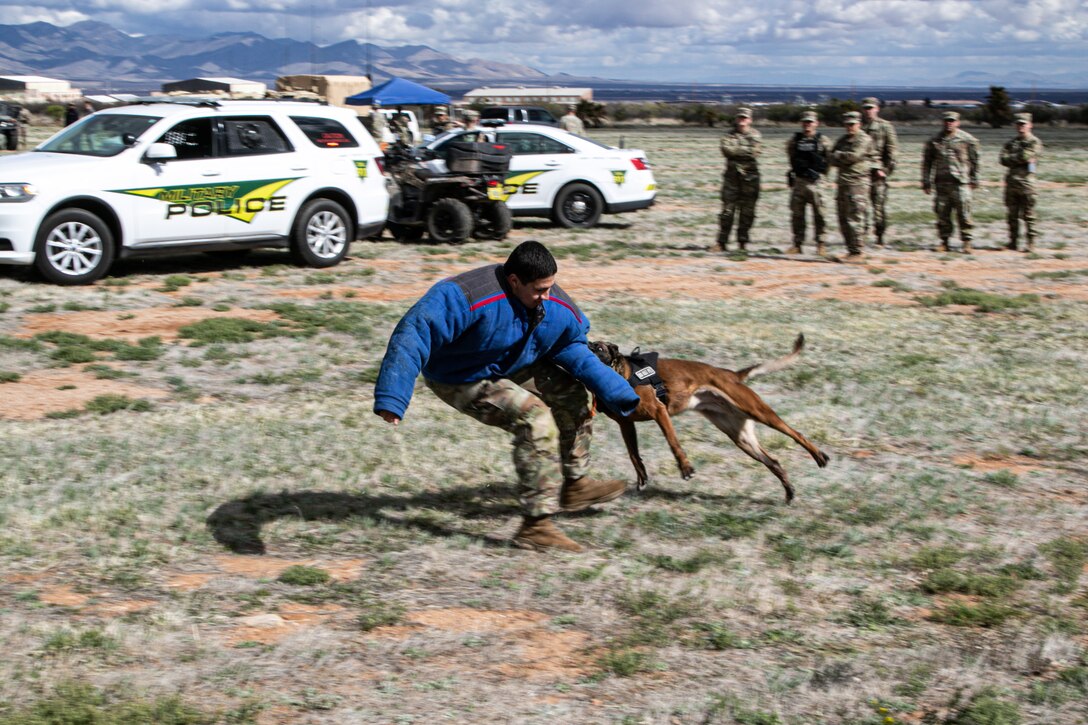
{"type": "Point", "coordinates": [477, 338]}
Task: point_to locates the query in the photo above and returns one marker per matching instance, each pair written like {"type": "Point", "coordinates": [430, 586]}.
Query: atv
{"type": "Point", "coordinates": [451, 198]}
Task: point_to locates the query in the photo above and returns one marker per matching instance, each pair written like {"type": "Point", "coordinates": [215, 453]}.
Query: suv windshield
{"type": "Point", "coordinates": [100, 135]}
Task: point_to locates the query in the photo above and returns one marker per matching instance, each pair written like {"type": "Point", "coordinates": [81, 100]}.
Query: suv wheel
{"type": "Point", "coordinates": [73, 247]}
{"type": "Point", "coordinates": [12, 140]}
{"type": "Point", "coordinates": [493, 221]}
{"type": "Point", "coordinates": [321, 234]}
{"type": "Point", "coordinates": [449, 220]}
{"type": "Point", "coordinates": [578, 206]}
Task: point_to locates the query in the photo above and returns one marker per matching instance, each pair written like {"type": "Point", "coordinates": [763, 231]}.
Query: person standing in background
{"type": "Point", "coordinates": [885, 155]}
{"type": "Point", "coordinates": [740, 182]}
{"type": "Point", "coordinates": [1020, 156]}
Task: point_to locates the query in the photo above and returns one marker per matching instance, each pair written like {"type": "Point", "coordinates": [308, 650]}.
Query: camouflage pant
{"type": "Point", "coordinates": [953, 197]}
{"type": "Point", "coordinates": [1020, 204]}
{"type": "Point", "coordinates": [878, 198]}
{"type": "Point", "coordinates": [807, 193]}
{"type": "Point", "coordinates": [739, 197]}
{"type": "Point", "coordinates": [852, 201]}
{"type": "Point", "coordinates": [550, 430]}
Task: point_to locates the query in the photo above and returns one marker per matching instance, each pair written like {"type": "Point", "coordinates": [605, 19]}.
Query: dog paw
{"type": "Point", "coordinates": [687, 472]}
{"type": "Point", "coordinates": [823, 460]}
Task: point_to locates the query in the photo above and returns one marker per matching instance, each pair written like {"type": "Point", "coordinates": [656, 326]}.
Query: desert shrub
{"type": "Point", "coordinates": [304, 576]}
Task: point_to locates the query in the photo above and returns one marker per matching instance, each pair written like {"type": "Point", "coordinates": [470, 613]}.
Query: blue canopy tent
{"type": "Point", "coordinates": [398, 92]}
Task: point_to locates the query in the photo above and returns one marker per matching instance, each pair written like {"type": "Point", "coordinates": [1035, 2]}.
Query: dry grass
{"type": "Point", "coordinates": [916, 579]}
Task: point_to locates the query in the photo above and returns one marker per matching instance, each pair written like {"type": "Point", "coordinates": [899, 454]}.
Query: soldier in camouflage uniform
{"type": "Point", "coordinates": [852, 155]}
{"type": "Point", "coordinates": [808, 152]}
{"type": "Point", "coordinates": [478, 338]}
{"type": "Point", "coordinates": [740, 184]}
{"type": "Point", "coordinates": [950, 165]}
{"type": "Point", "coordinates": [442, 122]}
{"type": "Point", "coordinates": [1020, 156]}
{"type": "Point", "coordinates": [400, 127]}
{"type": "Point", "coordinates": [885, 155]}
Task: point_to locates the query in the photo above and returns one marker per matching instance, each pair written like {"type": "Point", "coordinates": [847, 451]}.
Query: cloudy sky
{"type": "Point", "coordinates": [727, 41]}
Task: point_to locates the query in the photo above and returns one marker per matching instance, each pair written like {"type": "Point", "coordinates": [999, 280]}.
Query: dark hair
{"type": "Point", "coordinates": [530, 261]}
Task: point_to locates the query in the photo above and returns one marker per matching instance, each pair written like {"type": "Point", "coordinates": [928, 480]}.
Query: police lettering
{"type": "Point", "coordinates": [226, 207]}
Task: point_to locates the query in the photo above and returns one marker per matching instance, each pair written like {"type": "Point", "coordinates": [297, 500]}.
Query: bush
{"type": "Point", "coordinates": [56, 112]}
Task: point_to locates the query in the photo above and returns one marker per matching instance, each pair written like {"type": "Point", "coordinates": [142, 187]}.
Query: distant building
{"type": "Point", "coordinates": [527, 96]}
{"type": "Point", "coordinates": [226, 86]}
{"type": "Point", "coordinates": [329, 88]}
{"type": "Point", "coordinates": [946, 103]}
{"type": "Point", "coordinates": [31, 89]}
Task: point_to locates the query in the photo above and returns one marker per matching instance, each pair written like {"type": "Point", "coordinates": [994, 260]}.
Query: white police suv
{"type": "Point", "coordinates": [169, 177]}
{"type": "Point", "coordinates": [571, 179]}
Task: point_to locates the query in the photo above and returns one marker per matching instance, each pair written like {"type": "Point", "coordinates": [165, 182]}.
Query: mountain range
{"type": "Point", "coordinates": [89, 52]}
{"type": "Point", "coordinates": [97, 57]}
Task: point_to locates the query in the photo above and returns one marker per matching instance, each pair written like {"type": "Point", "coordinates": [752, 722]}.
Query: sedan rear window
{"type": "Point", "coordinates": [325, 132]}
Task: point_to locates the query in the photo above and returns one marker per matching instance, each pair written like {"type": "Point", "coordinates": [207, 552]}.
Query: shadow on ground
{"type": "Point", "coordinates": [237, 524]}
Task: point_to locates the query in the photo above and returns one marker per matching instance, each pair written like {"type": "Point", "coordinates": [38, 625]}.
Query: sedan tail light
{"type": "Point", "coordinates": [640, 164]}
{"type": "Point", "coordinates": [380, 165]}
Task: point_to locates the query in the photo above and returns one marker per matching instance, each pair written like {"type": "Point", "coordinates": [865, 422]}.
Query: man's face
{"type": "Point", "coordinates": [742, 123]}
{"type": "Point", "coordinates": [809, 127]}
{"type": "Point", "coordinates": [851, 127]}
{"type": "Point", "coordinates": [531, 294]}
{"type": "Point", "coordinates": [870, 112]}
{"type": "Point", "coordinates": [950, 125]}
{"type": "Point", "coordinates": [1023, 127]}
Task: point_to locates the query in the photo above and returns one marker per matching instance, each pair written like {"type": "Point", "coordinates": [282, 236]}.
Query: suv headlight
{"type": "Point", "coordinates": [17, 192]}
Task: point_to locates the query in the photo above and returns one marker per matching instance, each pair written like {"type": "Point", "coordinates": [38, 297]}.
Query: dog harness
{"type": "Point", "coordinates": [644, 372]}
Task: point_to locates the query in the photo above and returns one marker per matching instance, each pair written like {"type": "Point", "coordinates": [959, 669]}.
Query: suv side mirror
{"type": "Point", "coordinates": [161, 152]}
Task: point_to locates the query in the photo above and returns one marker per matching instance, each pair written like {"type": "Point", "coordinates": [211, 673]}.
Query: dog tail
{"type": "Point", "coordinates": [774, 365]}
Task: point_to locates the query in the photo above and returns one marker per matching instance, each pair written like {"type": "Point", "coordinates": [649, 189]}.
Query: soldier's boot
{"type": "Point", "coordinates": [581, 493]}
{"type": "Point", "coordinates": [1013, 244]}
{"type": "Point", "coordinates": [723, 243]}
{"type": "Point", "coordinates": [821, 248]}
{"type": "Point", "coordinates": [742, 243]}
{"type": "Point", "coordinates": [1030, 246]}
{"type": "Point", "coordinates": [966, 246]}
{"type": "Point", "coordinates": [880, 237]}
{"type": "Point", "coordinates": [944, 244]}
{"type": "Point", "coordinates": [540, 533]}
{"type": "Point", "coordinates": [795, 249]}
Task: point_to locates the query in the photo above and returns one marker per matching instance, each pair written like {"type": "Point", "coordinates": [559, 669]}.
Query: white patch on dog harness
{"type": "Point", "coordinates": [644, 373]}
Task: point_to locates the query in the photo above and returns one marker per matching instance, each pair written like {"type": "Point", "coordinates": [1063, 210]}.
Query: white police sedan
{"type": "Point", "coordinates": [571, 179]}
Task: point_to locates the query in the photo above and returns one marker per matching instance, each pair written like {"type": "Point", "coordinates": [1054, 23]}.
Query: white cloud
{"type": "Point", "coordinates": [701, 40]}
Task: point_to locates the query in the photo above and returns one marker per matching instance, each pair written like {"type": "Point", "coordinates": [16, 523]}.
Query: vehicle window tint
{"type": "Point", "coordinates": [325, 132]}
{"type": "Point", "coordinates": [493, 113]}
{"type": "Point", "coordinates": [191, 139]}
{"type": "Point", "coordinates": [106, 134]}
{"type": "Point", "coordinates": [536, 114]}
{"type": "Point", "coordinates": [521, 144]}
{"type": "Point", "coordinates": [252, 136]}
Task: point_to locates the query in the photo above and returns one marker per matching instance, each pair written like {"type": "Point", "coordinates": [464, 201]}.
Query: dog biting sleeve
{"type": "Point", "coordinates": [604, 382]}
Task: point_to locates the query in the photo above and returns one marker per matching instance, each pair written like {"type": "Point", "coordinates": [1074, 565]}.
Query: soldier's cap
{"type": "Point", "coordinates": [851, 117]}
{"type": "Point", "coordinates": [1023, 118]}
{"type": "Point", "coordinates": [950, 116]}
{"type": "Point", "coordinates": [870, 102]}
{"type": "Point", "coordinates": [809, 116]}
{"type": "Point", "coordinates": [469, 113]}
{"type": "Point", "coordinates": [572, 107]}
{"type": "Point", "coordinates": [743, 113]}
{"type": "Point", "coordinates": [440, 111]}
